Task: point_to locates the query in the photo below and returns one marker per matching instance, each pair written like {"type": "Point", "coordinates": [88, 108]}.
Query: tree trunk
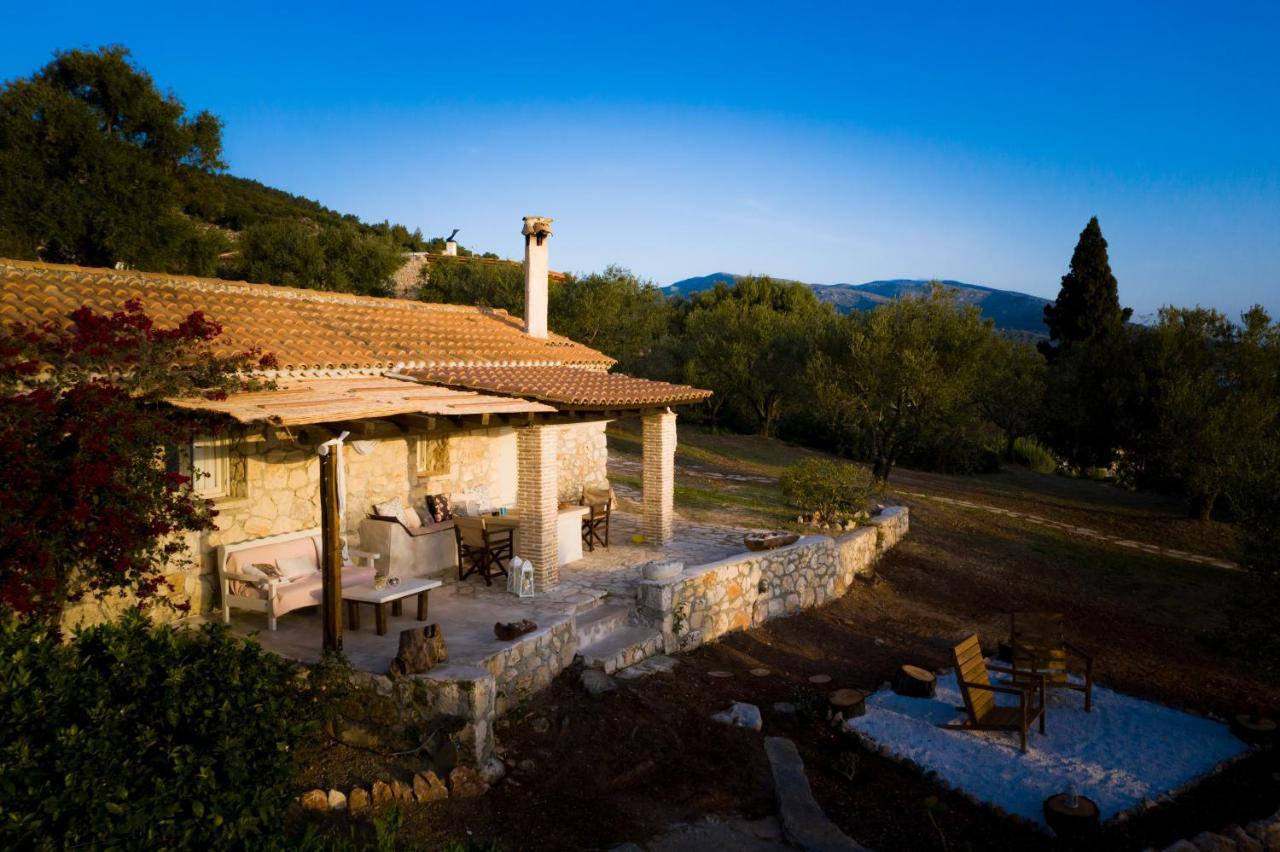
{"type": "Point", "coordinates": [1202, 505]}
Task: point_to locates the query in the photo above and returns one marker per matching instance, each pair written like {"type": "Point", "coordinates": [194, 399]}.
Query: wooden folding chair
{"type": "Point", "coordinates": [1038, 646]}
{"type": "Point", "coordinates": [481, 550]}
{"type": "Point", "coordinates": [595, 525]}
{"type": "Point", "coordinates": [980, 696]}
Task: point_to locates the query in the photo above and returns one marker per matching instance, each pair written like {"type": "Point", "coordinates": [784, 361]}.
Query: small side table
{"type": "Point", "coordinates": [1070, 822]}
{"type": "Point", "coordinates": [387, 596]}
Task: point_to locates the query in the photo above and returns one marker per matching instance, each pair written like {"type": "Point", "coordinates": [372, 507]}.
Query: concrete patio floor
{"type": "Point", "coordinates": [467, 611]}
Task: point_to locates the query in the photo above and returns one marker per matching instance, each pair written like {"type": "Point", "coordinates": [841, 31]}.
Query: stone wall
{"type": "Point", "coordinates": [742, 591]}
{"type": "Point", "coordinates": [481, 463]}
{"type": "Point", "coordinates": [583, 451]}
{"type": "Point", "coordinates": [278, 490]}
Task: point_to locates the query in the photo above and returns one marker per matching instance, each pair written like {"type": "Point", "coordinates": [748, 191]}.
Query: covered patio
{"type": "Point", "coordinates": [468, 610]}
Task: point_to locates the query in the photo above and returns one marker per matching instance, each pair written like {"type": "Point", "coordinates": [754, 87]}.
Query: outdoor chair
{"type": "Point", "coordinates": [1037, 646]}
{"type": "Point", "coordinates": [595, 526]}
{"type": "Point", "coordinates": [482, 550]}
{"type": "Point", "coordinates": [980, 695]}
{"type": "Point", "coordinates": [595, 523]}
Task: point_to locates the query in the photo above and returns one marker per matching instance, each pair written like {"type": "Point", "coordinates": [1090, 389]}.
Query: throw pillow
{"type": "Point", "coordinates": [296, 566]}
{"type": "Point", "coordinates": [411, 518]}
{"type": "Point", "coordinates": [255, 574]}
{"type": "Point", "coordinates": [391, 509]}
{"type": "Point", "coordinates": [438, 506]}
{"type": "Point", "coordinates": [270, 569]}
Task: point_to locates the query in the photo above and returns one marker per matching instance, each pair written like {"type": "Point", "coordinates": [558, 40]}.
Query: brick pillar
{"type": "Point", "coordinates": [659, 475]}
{"type": "Point", "coordinates": [536, 497]}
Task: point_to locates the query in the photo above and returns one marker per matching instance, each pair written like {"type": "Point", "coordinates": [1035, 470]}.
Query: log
{"type": "Point", "coordinates": [915, 682]}
{"type": "Point", "coordinates": [1254, 728]}
{"type": "Point", "coordinates": [508, 630]}
{"type": "Point", "coordinates": [1070, 819]}
{"type": "Point", "coordinates": [846, 704]}
{"type": "Point", "coordinates": [421, 648]}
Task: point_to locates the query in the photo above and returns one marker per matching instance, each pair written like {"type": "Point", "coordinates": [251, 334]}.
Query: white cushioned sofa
{"type": "Point", "coordinates": [297, 554]}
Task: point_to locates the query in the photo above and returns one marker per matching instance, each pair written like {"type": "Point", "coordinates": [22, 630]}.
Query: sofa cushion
{"type": "Point", "coordinates": [392, 508]}
{"type": "Point", "coordinates": [308, 591]}
{"type": "Point", "coordinates": [273, 553]}
{"type": "Point", "coordinates": [411, 518]}
{"type": "Point", "coordinates": [295, 568]}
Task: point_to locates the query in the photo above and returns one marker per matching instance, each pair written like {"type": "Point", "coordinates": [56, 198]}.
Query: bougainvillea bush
{"type": "Point", "coordinates": [135, 736]}
{"type": "Point", "coordinates": [88, 505]}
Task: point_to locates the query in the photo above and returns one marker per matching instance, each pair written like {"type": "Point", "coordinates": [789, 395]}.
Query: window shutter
{"type": "Point", "coordinates": [212, 458]}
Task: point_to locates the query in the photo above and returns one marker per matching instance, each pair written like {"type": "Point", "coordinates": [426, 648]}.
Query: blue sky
{"type": "Point", "coordinates": [825, 142]}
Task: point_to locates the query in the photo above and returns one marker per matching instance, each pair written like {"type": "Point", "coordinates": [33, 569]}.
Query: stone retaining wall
{"type": "Point", "coordinates": [696, 607]}
{"type": "Point", "coordinates": [742, 591]}
{"type": "Point", "coordinates": [528, 667]}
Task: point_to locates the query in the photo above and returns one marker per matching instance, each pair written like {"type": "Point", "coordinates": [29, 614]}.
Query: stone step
{"type": "Point", "coordinates": [597, 623]}
{"type": "Point", "coordinates": [624, 647]}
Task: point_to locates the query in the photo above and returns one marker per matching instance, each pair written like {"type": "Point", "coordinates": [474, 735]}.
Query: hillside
{"type": "Point", "coordinates": [1011, 311]}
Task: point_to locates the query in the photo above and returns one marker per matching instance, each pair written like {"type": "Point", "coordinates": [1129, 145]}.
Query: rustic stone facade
{"type": "Point", "coordinates": [277, 488]}
{"type": "Point", "coordinates": [583, 454]}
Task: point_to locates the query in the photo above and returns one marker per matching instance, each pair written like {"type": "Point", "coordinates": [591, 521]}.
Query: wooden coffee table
{"type": "Point", "coordinates": [389, 595]}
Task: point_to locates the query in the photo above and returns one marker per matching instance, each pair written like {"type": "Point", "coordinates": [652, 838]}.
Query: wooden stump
{"type": "Point", "coordinates": [915, 682]}
{"type": "Point", "coordinates": [420, 649]}
{"type": "Point", "coordinates": [508, 630]}
{"type": "Point", "coordinates": [845, 704]}
{"type": "Point", "coordinates": [1070, 821]}
{"type": "Point", "coordinates": [1254, 728]}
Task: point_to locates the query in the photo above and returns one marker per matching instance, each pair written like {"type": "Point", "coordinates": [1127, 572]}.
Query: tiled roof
{"type": "Point", "coordinates": [565, 387]}
{"type": "Point", "coordinates": [307, 330]}
{"type": "Point", "coordinates": [306, 401]}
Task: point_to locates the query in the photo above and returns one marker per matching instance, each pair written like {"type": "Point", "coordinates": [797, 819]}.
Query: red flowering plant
{"type": "Point", "coordinates": [88, 505]}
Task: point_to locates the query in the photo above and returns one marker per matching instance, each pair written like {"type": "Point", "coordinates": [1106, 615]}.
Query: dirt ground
{"type": "Point", "coordinates": [628, 764]}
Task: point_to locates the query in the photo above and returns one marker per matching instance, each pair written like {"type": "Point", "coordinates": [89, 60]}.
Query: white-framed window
{"type": "Point", "coordinates": [212, 471]}
{"type": "Point", "coordinates": [433, 456]}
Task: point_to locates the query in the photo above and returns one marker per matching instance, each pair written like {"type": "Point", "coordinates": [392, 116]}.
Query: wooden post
{"type": "Point", "coordinates": [331, 551]}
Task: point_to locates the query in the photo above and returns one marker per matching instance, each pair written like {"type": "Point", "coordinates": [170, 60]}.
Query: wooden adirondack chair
{"type": "Point", "coordinates": [980, 695]}
{"type": "Point", "coordinates": [1038, 646]}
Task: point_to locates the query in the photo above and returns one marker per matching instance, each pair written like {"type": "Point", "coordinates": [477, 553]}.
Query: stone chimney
{"type": "Point", "coordinates": [451, 248]}
{"type": "Point", "coordinates": [536, 230]}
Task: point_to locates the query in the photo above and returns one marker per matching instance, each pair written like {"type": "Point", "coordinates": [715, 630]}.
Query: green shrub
{"type": "Point", "coordinates": [1031, 453]}
{"type": "Point", "coordinates": [135, 736]}
{"type": "Point", "coordinates": [833, 489]}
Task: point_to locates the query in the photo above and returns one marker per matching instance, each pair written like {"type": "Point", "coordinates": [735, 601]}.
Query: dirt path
{"type": "Point", "coordinates": [1096, 535]}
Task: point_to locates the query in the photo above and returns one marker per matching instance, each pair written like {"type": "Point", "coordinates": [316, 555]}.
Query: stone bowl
{"type": "Point", "coordinates": [662, 569]}
{"type": "Point", "coordinates": [768, 541]}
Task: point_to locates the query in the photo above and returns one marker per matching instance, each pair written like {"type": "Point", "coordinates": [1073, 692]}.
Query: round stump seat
{"type": "Point", "coordinates": [1068, 820]}
{"type": "Point", "coordinates": [915, 682]}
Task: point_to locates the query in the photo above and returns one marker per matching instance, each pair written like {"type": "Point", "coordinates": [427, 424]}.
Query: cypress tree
{"type": "Point", "coordinates": [1088, 304]}
{"type": "Point", "coordinates": [1087, 388]}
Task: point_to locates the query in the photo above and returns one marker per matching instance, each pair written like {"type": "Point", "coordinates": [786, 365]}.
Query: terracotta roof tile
{"type": "Point", "coordinates": [307, 330]}
{"type": "Point", "coordinates": [563, 386]}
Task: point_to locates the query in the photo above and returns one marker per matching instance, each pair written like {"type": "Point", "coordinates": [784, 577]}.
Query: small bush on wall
{"type": "Point", "coordinates": [140, 737]}
{"type": "Point", "coordinates": [836, 491]}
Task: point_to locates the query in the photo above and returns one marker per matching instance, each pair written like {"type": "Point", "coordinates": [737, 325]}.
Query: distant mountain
{"type": "Point", "coordinates": [1010, 310]}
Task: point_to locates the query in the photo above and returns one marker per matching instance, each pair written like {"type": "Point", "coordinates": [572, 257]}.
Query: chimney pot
{"type": "Point", "coordinates": [536, 230]}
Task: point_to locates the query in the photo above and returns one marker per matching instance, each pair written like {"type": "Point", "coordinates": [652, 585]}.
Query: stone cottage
{"type": "Point", "coordinates": [465, 401]}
